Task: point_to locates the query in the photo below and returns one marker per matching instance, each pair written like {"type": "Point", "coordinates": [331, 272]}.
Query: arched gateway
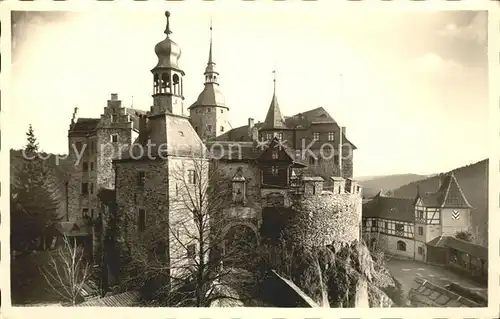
{"type": "Point", "coordinates": [239, 244]}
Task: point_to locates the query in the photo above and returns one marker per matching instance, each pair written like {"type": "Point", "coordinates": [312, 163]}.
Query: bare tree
{"type": "Point", "coordinates": [184, 266]}
{"type": "Point", "coordinates": [67, 271]}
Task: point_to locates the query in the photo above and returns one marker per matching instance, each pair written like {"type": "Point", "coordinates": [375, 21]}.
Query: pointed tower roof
{"type": "Point", "coordinates": [274, 119]}
{"type": "Point", "coordinates": [451, 193]}
{"type": "Point", "coordinates": [211, 95]}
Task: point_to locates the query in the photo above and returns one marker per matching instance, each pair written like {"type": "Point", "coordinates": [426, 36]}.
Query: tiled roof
{"type": "Point", "coordinates": [393, 208]}
{"type": "Point", "coordinates": [238, 134]}
{"type": "Point", "coordinates": [449, 195]}
{"type": "Point", "coordinates": [210, 96]}
{"type": "Point", "coordinates": [425, 294]}
{"type": "Point", "coordinates": [317, 115]}
{"type": "Point", "coordinates": [460, 245]}
{"type": "Point", "coordinates": [274, 119]}
{"type": "Point", "coordinates": [126, 299]}
{"type": "Point", "coordinates": [85, 124]}
{"type": "Point", "coordinates": [234, 150]}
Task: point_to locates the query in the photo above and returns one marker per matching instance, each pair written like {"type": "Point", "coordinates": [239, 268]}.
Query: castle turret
{"type": "Point", "coordinates": [209, 113]}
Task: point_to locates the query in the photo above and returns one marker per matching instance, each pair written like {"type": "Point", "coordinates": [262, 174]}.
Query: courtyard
{"type": "Point", "coordinates": [406, 270]}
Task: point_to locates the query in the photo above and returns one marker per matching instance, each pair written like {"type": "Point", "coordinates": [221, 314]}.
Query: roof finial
{"type": "Point", "coordinates": [274, 81]}
{"type": "Point", "coordinates": [167, 29]}
{"type": "Point", "coordinates": [210, 52]}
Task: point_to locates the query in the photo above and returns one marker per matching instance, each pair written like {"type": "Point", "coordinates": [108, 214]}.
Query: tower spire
{"type": "Point", "coordinates": [167, 29]}
{"type": "Point", "coordinates": [210, 50]}
{"type": "Point", "coordinates": [274, 82]}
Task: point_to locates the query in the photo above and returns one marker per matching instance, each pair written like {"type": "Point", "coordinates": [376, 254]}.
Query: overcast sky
{"type": "Point", "coordinates": [413, 95]}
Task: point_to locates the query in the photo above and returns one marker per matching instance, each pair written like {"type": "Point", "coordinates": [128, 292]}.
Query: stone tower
{"type": "Point", "coordinates": [209, 114]}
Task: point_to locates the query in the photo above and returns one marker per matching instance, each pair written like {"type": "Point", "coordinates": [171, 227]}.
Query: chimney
{"type": "Point", "coordinates": [250, 126]}
{"type": "Point", "coordinates": [143, 129]}
{"type": "Point", "coordinates": [74, 117]}
{"type": "Point", "coordinates": [344, 130]}
{"type": "Point", "coordinates": [114, 96]}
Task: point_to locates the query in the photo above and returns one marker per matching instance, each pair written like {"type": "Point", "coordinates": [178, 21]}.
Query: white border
{"type": "Point", "coordinates": [492, 311]}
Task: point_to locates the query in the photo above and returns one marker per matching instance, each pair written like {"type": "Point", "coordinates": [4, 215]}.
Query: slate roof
{"type": "Point", "coordinates": [460, 245]}
{"type": "Point", "coordinates": [449, 195]}
{"type": "Point", "coordinates": [234, 150]}
{"type": "Point", "coordinates": [126, 299]}
{"type": "Point", "coordinates": [180, 140]}
{"type": "Point", "coordinates": [393, 208]}
{"type": "Point", "coordinates": [238, 134]}
{"type": "Point", "coordinates": [274, 119]}
{"type": "Point", "coordinates": [317, 115]}
{"type": "Point", "coordinates": [85, 125]}
{"type": "Point", "coordinates": [210, 96]}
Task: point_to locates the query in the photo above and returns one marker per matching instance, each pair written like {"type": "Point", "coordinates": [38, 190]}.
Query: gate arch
{"type": "Point", "coordinates": [240, 240]}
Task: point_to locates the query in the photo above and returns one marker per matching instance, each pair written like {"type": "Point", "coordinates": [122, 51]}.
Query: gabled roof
{"type": "Point", "coordinates": [393, 208]}
{"type": "Point", "coordinates": [460, 245]}
{"type": "Point", "coordinates": [449, 195]}
{"type": "Point", "coordinates": [274, 119]}
{"type": "Point", "coordinates": [239, 134]}
{"type": "Point", "coordinates": [317, 115]}
{"type": "Point", "coordinates": [126, 299]}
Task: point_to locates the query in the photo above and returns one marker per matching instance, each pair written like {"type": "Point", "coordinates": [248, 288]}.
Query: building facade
{"type": "Point", "coordinates": [407, 227]}
{"type": "Point", "coordinates": [139, 167]}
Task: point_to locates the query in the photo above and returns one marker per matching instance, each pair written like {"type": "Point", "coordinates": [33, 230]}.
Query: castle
{"type": "Point", "coordinates": [266, 163]}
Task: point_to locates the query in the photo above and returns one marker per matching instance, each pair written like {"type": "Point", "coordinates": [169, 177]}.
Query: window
{"type": "Point", "coordinates": [141, 221]}
{"type": "Point", "coordinates": [269, 136]}
{"type": "Point", "coordinates": [85, 166]}
{"type": "Point", "coordinates": [91, 188]}
{"type": "Point", "coordinates": [400, 229]}
{"type": "Point", "coordinates": [280, 136]}
{"type": "Point", "coordinates": [275, 154]}
{"type": "Point", "coordinates": [274, 170]}
{"type": "Point", "coordinates": [314, 189]}
{"type": "Point", "coordinates": [209, 110]}
{"type": "Point", "coordinates": [191, 177]}
{"type": "Point", "coordinates": [222, 111]}
{"type": "Point", "coordinates": [222, 128]}
{"type": "Point", "coordinates": [420, 250]}
{"type": "Point", "coordinates": [141, 179]}
{"type": "Point", "coordinates": [191, 251]}
{"type": "Point", "coordinates": [420, 230]}
{"type": "Point", "coordinates": [114, 118]}
{"type": "Point", "coordinates": [92, 213]}
{"type": "Point", "coordinates": [316, 136]}
{"type": "Point", "coordinates": [209, 128]}
{"type": "Point", "coordinates": [386, 226]}
{"type": "Point", "coordinates": [312, 160]}
{"type": "Point", "coordinates": [85, 188]}
{"type": "Point", "coordinates": [401, 245]}
{"type": "Point", "coordinates": [420, 214]}
{"type": "Point", "coordinates": [114, 138]}
{"type": "Point", "coordinates": [85, 212]}
{"type": "Point", "coordinates": [336, 159]}
{"type": "Point", "coordinates": [92, 166]}
{"type": "Point", "coordinates": [331, 136]}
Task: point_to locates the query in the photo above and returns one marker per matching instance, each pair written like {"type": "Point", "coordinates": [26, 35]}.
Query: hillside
{"type": "Point", "coordinates": [374, 184]}
{"type": "Point", "coordinates": [473, 180]}
{"type": "Point", "coordinates": [56, 176]}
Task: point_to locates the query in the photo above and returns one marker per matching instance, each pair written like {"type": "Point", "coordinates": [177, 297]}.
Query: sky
{"type": "Point", "coordinates": [413, 92]}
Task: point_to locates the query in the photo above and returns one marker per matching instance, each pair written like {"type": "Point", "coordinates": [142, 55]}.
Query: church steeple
{"type": "Point", "coordinates": [211, 74]}
{"type": "Point", "coordinates": [168, 76]}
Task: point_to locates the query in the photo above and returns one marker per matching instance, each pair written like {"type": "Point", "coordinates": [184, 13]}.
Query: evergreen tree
{"type": "Point", "coordinates": [33, 209]}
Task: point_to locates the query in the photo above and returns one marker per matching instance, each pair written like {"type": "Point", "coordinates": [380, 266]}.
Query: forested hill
{"type": "Point", "coordinates": [372, 185]}
{"type": "Point", "coordinates": [473, 180]}
{"type": "Point", "coordinates": [55, 181]}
